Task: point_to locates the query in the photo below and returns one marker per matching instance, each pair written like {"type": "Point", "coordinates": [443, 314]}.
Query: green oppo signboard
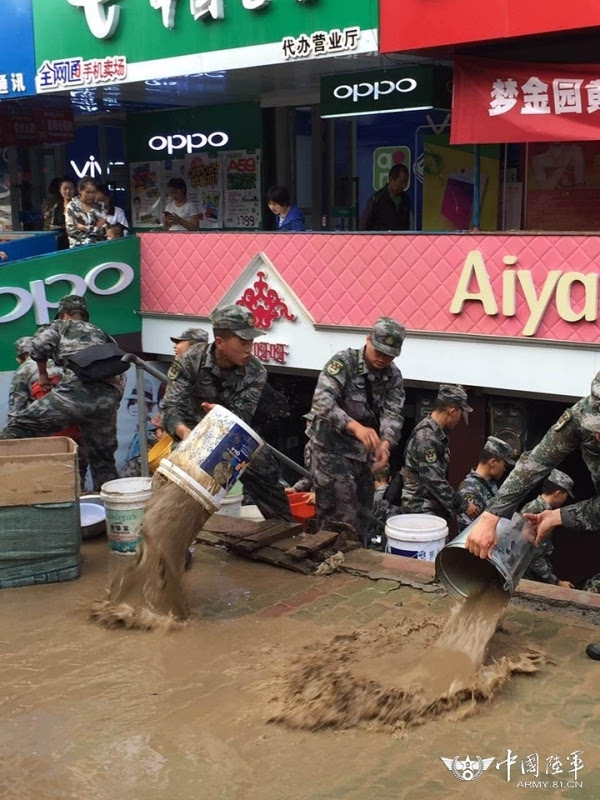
{"type": "Point", "coordinates": [92, 42]}
{"type": "Point", "coordinates": [107, 274]}
{"type": "Point", "coordinates": [410, 88]}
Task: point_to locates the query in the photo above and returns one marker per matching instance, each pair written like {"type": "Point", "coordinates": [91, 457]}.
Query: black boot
{"type": "Point", "coordinates": [593, 651]}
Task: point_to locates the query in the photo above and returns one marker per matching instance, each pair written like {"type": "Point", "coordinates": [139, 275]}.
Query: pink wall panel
{"type": "Point", "coordinates": [350, 279]}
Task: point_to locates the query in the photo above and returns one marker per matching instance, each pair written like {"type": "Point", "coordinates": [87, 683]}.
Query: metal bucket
{"type": "Point", "coordinates": [463, 574]}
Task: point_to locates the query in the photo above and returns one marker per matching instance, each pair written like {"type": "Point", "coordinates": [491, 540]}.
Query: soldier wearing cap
{"type": "Point", "coordinates": [479, 487]}
{"type": "Point", "coordinates": [91, 406]}
{"type": "Point", "coordinates": [556, 490]}
{"type": "Point", "coordinates": [26, 375]}
{"type": "Point", "coordinates": [358, 418]}
{"type": "Point", "coordinates": [189, 337]}
{"type": "Point", "coordinates": [426, 489]}
{"type": "Point", "coordinates": [225, 373]}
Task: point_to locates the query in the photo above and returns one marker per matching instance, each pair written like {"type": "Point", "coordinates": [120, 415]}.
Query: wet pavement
{"type": "Point", "coordinates": [90, 713]}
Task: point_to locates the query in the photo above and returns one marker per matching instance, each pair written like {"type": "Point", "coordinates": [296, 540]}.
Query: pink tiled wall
{"type": "Point", "coordinates": [349, 279]}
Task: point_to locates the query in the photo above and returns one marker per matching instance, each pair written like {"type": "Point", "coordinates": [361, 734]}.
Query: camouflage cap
{"type": "Point", "coordinates": [501, 449]}
{"type": "Point", "coordinates": [387, 336]}
{"type": "Point", "coordinates": [454, 395]}
{"type": "Point", "coordinates": [563, 480]}
{"type": "Point", "coordinates": [71, 302]}
{"type": "Point", "coordinates": [191, 335]}
{"type": "Point", "coordinates": [236, 319]}
{"type": "Point", "coordinates": [23, 345]}
{"type": "Point", "coordinates": [595, 389]}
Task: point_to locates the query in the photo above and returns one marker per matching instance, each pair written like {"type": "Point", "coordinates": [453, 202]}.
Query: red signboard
{"type": "Point", "coordinates": [501, 101]}
{"type": "Point", "coordinates": [55, 127]}
{"type": "Point", "coordinates": [415, 24]}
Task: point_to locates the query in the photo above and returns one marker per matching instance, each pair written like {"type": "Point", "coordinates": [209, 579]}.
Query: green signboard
{"type": "Point", "coordinates": [410, 88]}
{"type": "Point", "coordinates": [107, 274]}
{"type": "Point", "coordinates": [161, 135]}
{"type": "Point", "coordinates": [147, 39]}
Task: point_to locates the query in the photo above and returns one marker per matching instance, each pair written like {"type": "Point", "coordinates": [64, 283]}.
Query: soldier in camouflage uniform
{"type": "Point", "coordinates": [426, 489]}
{"type": "Point", "coordinates": [187, 338]}
{"type": "Point", "coordinates": [479, 487]}
{"type": "Point", "coordinates": [556, 490]}
{"type": "Point", "coordinates": [91, 406]}
{"type": "Point", "coordinates": [226, 373]}
{"type": "Point", "coordinates": [305, 484]}
{"type": "Point", "coordinates": [26, 375]}
{"type": "Point", "coordinates": [358, 417]}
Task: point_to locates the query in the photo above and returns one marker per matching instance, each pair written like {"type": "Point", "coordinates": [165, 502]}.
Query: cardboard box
{"type": "Point", "coordinates": [34, 471]}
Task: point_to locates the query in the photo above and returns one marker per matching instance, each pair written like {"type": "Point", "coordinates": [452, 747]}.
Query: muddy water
{"type": "Point", "coordinates": [406, 680]}
{"type": "Point", "coordinates": [149, 593]}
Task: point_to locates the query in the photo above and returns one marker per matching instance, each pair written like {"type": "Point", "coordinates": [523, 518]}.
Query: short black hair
{"type": "Point", "coordinates": [439, 405]}
{"type": "Point", "coordinates": [279, 195]}
{"type": "Point", "coordinates": [117, 228]}
{"type": "Point", "coordinates": [86, 182]}
{"type": "Point", "coordinates": [103, 189]}
{"type": "Point", "coordinates": [549, 487]}
{"type": "Point", "coordinates": [178, 183]}
{"type": "Point", "coordinates": [396, 171]}
{"type": "Point", "coordinates": [485, 456]}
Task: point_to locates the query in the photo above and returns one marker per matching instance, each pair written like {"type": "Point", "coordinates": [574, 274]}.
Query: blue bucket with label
{"type": "Point", "coordinates": [213, 457]}
{"type": "Point", "coordinates": [419, 536]}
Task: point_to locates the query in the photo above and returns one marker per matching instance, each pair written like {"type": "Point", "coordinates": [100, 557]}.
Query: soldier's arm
{"type": "Point", "coordinates": [560, 441]}
{"type": "Point", "coordinates": [71, 226]}
{"type": "Point", "coordinates": [18, 397]}
{"type": "Point", "coordinates": [583, 516]}
{"type": "Point", "coordinates": [46, 343]}
{"type": "Point", "coordinates": [329, 392]}
{"type": "Point", "coordinates": [391, 419]}
{"type": "Point", "coordinates": [178, 407]}
{"type": "Point", "coordinates": [470, 496]}
{"type": "Point", "coordinates": [431, 468]}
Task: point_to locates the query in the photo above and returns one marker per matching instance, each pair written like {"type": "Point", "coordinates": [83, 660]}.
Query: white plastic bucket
{"type": "Point", "coordinates": [209, 462]}
{"type": "Point", "coordinates": [419, 536]}
{"type": "Point", "coordinates": [232, 502]}
{"type": "Point", "coordinates": [125, 500]}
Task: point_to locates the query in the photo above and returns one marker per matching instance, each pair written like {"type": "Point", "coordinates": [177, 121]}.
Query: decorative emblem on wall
{"type": "Point", "coordinates": [266, 304]}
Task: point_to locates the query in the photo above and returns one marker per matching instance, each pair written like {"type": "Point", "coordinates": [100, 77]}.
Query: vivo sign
{"type": "Point", "coordinates": [36, 296]}
{"type": "Point", "coordinates": [375, 90]}
{"type": "Point", "coordinates": [188, 142]}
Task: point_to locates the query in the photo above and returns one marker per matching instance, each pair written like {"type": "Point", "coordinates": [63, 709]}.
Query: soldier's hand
{"type": "Point", "coordinates": [311, 499]}
{"type": "Point", "coordinates": [183, 431]}
{"type": "Point", "coordinates": [45, 383]}
{"type": "Point", "coordinates": [289, 490]}
{"type": "Point", "coordinates": [472, 511]}
{"type": "Point", "coordinates": [483, 538]}
{"type": "Point", "coordinates": [208, 407]}
{"type": "Point", "coordinates": [382, 456]}
{"type": "Point", "coordinates": [368, 436]}
{"type": "Point", "coordinates": [544, 523]}
{"type": "Point", "coordinates": [566, 584]}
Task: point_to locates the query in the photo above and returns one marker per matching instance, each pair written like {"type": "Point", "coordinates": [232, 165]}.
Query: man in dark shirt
{"type": "Point", "coordinates": [389, 208]}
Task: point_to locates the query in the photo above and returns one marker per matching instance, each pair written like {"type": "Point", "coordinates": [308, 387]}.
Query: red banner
{"type": "Point", "coordinates": [501, 101]}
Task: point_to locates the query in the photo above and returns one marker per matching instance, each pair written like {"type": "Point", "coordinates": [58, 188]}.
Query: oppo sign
{"type": "Point", "coordinates": [188, 142]}
{"type": "Point", "coordinates": [358, 91]}
{"type": "Point", "coordinates": [36, 296]}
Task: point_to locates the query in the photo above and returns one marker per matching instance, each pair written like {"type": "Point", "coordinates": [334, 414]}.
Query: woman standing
{"type": "Point", "coordinates": [114, 214]}
{"type": "Point", "coordinates": [49, 203]}
{"type": "Point", "coordinates": [85, 217]}
{"type": "Point", "coordinates": [66, 192]}
{"type": "Point", "coordinates": [180, 214]}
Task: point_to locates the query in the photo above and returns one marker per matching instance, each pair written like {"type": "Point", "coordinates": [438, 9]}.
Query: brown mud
{"type": "Point", "coordinates": [148, 594]}
{"type": "Point", "coordinates": [421, 671]}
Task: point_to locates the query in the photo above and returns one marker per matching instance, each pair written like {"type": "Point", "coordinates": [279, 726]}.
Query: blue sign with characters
{"type": "Point", "coordinates": [17, 56]}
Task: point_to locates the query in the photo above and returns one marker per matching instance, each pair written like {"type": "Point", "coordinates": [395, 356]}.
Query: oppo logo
{"type": "Point", "coordinates": [188, 142]}
{"type": "Point", "coordinates": [374, 90]}
{"type": "Point", "coordinates": [36, 296]}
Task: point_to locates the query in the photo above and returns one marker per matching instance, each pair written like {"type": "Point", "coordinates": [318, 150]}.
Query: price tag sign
{"type": "Point", "coordinates": [241, 177]}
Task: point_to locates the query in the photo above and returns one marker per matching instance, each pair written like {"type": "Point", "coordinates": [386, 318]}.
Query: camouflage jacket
{"type": "Point", "coordinates": [475, 489]}
{"type": "Point", "coordinates": [76, 214]}
{"type": "Point", "coordinates": [340, 397]}
{"type": "Point", "coordinates": [197, 378]}
{"type": "Point", "coordinates": [426, 488]}
{"type": "Point", "coordinates": [21, 395]}
{"type": "Point", "coordinates": [540, 566]}
{"type": "Point", "coordinates": [563, 438]}
{"type": "Point", "coordinates": [306, 484]}
{"type": "Point", "coordinates": [62, 338]}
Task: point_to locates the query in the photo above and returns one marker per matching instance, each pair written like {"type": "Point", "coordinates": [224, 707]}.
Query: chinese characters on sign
{"type": "Point", "coordinates": [536, 97]}
{"type": "Point", "coordinates": [321, 43]}
{"type": "Point", "coordinates": [15, 83]}
{"type": "Point", "coordinates": [468, 769]}
{"type": "Point", "coordinates": [70, 73]}
{"type": "Point", "coordinates": [267, 352]}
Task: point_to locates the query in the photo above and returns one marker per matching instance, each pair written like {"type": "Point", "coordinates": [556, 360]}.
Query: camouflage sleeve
{"type": "Point", "coordinates": [431, 469]}
{"type": "Point", "coordinates": [46, 343]}
{"type": "Point", "coordinates": [390, 418]}
{"type": "Point", "coordinates": [178, 406]}
{"type": "Point", "coordinates": [245, 403]}
{"type": "Point", "coordinates": [71, 220]}
{"type": "Point", "coordinates": [19, 397]}
{"type": "Point", "coordinates": [306, 484]}
{"type": "Point", "coordinates": [562, 439]}
{"type": "Point", "coordinates": [540, 567]}
{"type": "Point", "coordinates": [329, 392]}
{"type": "Point", "coordinates": [584, 516]}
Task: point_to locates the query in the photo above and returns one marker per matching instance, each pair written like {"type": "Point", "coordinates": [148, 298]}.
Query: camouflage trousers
{"type": "Point", "coordinates": [92, 407]}
{"type": "Point", "coordinates": [344, 491]}
{"type": "Point", "coordinates": [262, 481]}
{"type": "Point", "coordinates": [592, 584]}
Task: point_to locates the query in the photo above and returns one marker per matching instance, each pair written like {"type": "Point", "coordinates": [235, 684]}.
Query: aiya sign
{"type": "Point", "coordinates": [107, 275]}
{"type": "Point", "coordinates": [410, 88]}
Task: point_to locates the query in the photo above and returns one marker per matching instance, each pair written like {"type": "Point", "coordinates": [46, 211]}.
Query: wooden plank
{"type": "Point", "coordinates": [283, 530]}
{"type": "Point", "coordinates": [236, 527]}
{"type": "Point", "coordinates": [271, 555]}
{"type": "Point", "coordinates": [318, 540]}
{"type": "Point", "coordinates": [296, 553]}
{"type": "Point", "coordinates": [286, 544]}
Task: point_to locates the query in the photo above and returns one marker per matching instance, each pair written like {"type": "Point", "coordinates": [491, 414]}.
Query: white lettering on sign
{"type": "Point", "coordinates": [253, 5]}
{"type": "Point", "coordinates": [566, 96]}
{"type": "Point", "coordinates": [168, 8]}
{"type": "Point", "coordinates": [358, 91]}
{"type": "Point", "coordinates": [101, 21]}
{"type": "Point", "coordinates": [188, 142]}
{"type": "Point", "coordinates": [557, 284]}
{"type": "Point", "coordinates": [91, 168]}
{"type": "Point", "coordinates": [207, 9]}
{"type": "Point", "coordinates": [36, 296]}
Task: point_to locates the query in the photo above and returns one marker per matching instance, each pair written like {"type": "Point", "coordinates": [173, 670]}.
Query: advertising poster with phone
{"type": "Point", "coordinates": [203, 178]}
{"type": "Point", "coordinates": [448, 186]}
{"type": "Point", "coordinates": [146, 193]}
{"type": "Point", "coordinates": [241, 169]}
